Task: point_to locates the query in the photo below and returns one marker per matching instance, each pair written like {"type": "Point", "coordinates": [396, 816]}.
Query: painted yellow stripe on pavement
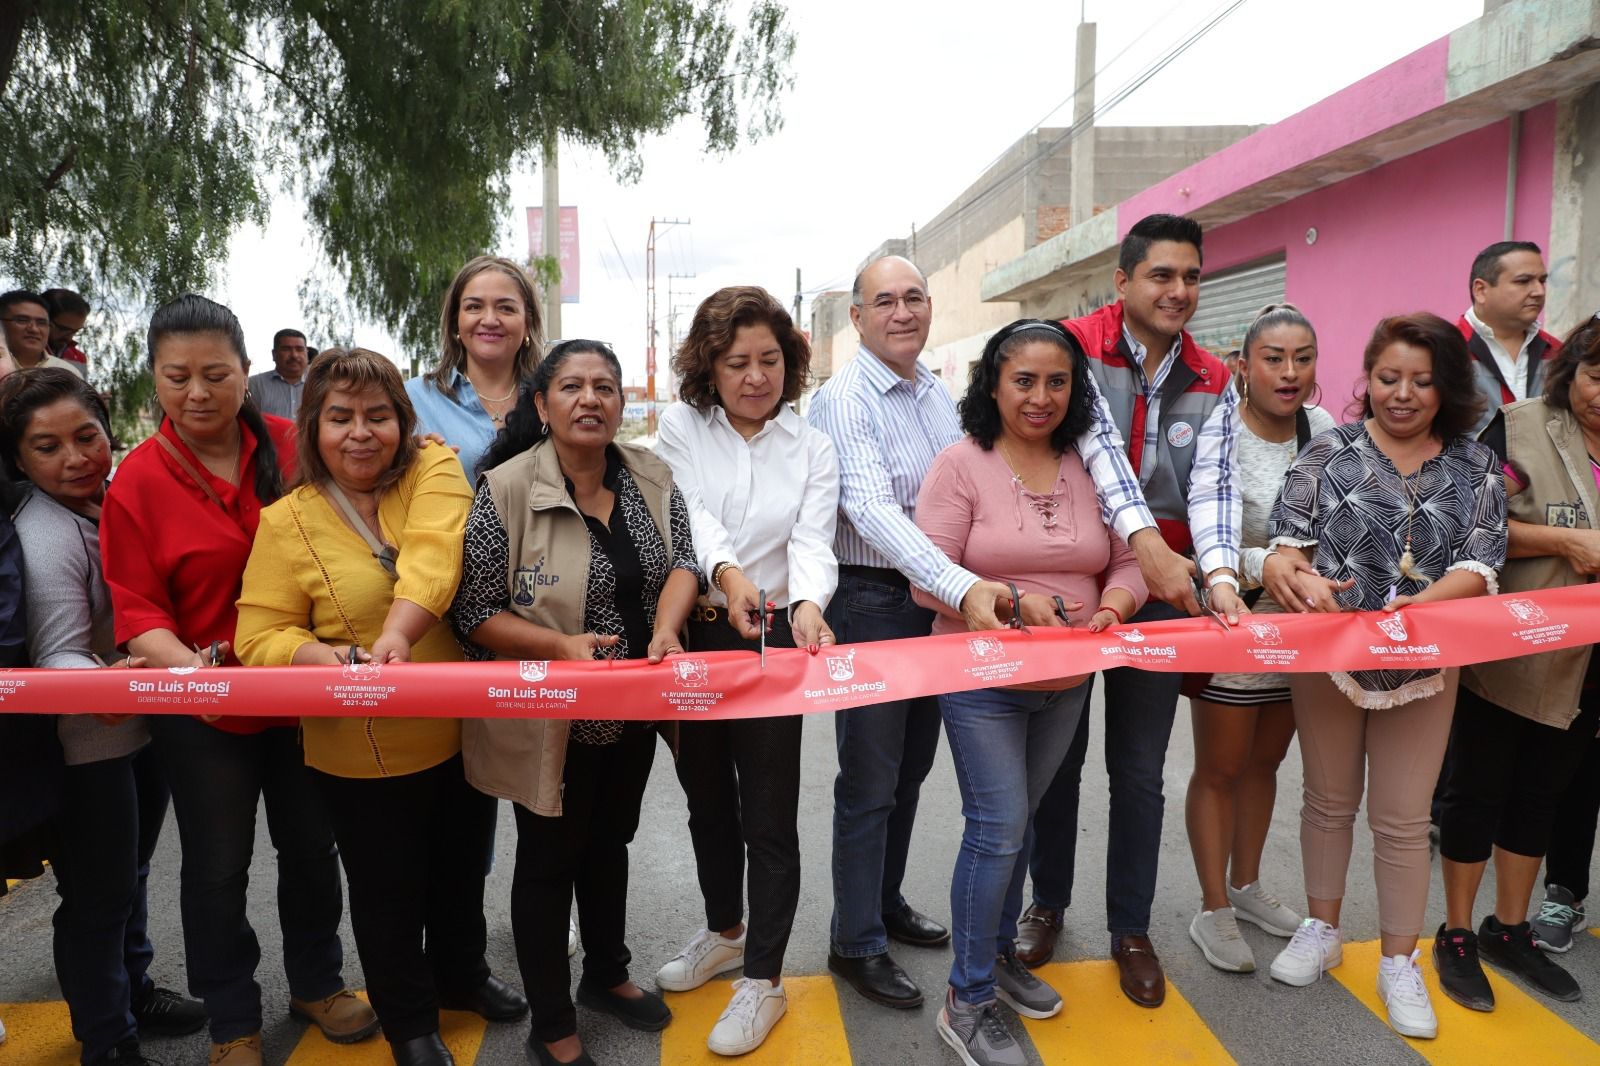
{"type": "Point", "coordinates": [462, 1032]}
{"type": "Point", "coordinates": [811, 1033]}
{"type": "Point", "coordinates": [38, 1034]}
{"type": "Point", "coordinates": [1100, 1024]}
{"type": "Point", "coordinates": [1518, 1023]}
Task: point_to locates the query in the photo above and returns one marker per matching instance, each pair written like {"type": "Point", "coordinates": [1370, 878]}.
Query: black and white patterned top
{"type": "Point", "coordinates": [1345, 496]}
{"type": "Point", "coordinates": [628, 565]}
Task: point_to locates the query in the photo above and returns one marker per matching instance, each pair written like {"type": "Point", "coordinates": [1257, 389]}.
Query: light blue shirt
{"type": "Point", "coordinates": [461, 420]}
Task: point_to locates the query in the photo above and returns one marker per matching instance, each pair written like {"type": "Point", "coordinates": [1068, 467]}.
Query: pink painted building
{"type": "Point", "coordinates": [1374, 200]}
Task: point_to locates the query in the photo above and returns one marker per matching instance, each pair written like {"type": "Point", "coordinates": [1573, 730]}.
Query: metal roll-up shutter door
{"type": "Point", "coordinates": [1230, 300]}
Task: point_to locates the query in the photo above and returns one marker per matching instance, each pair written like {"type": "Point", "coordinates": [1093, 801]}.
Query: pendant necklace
{"type": "Point", "coordinates": [1408, 562]}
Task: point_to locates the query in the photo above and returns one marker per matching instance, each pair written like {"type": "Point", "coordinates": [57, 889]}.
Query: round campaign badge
{"type": "Point", "coordinates": [1180, 435]}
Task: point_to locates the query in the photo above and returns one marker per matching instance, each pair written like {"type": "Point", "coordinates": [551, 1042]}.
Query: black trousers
{"type": "Point", "coordinates": [1572, 838]}
{"type": "Point", "coordinates": [413, 856]}
{"type": "Point", "coordinates": [742, 780]}
{"type": "Point", "coordinates": [585, 850]}
{"type": "Point", "coordinates": [1507, 774]}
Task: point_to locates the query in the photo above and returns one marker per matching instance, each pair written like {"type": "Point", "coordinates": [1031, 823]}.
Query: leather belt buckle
{"type": "Point", "coordinates": [704, 613]}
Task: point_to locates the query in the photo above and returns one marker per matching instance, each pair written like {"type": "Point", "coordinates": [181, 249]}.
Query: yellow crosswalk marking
{"type": "Point", "coordinates": [462, 1032]}
{"type": "Point", "coordinates": [38, 1034]}
{"type": "Point", "coordinates": [810, 1034]}
{"type": "Point", "coordinates": [1100, 1024]}
{"type": "Point", "coordinates": [1474, 1038]}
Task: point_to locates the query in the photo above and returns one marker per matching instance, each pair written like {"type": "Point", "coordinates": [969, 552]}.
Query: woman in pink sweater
{"type": "Point", "coordinates": [1012, 502]}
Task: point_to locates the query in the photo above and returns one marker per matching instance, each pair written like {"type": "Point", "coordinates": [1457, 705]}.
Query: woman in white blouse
{"type": "Point", "coordinates": [763, 492]}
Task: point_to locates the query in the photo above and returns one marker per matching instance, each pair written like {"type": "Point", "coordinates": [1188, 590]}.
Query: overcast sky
{"type": "Point", "coordinates": [895, 110]}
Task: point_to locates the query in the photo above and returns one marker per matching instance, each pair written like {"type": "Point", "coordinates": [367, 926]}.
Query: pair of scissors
{"type": "Point", "coordinates": [212, 656]}
{"type": "Point", "coordinates": [1061, 611]}
{"type": "Point", "coordinates": [1202, 596]}
{"type": "Point", "coordinates": [1016, 610]}
{"type": "Point", "coordinates": [352, 654]}
{"type": "Point", "coordinates": [761, 621]}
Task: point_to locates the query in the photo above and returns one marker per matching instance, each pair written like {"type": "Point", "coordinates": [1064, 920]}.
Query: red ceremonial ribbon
{"type": "Point", "coordinates": [731, 684]}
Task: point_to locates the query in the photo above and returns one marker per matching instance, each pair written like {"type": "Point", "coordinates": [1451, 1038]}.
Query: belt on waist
{"type": "Point", "coordinates": [881, 574]}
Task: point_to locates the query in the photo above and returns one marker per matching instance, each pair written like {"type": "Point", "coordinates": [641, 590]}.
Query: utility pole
{"type": "Point", "coordinates": [1081, 196]}
{"type": "Point", "coordinates": [664, 224]}
{"type": "Point", "coordinates": [672, 314]}
{"type": "Point", "coordinates": [552, 234]}
{"type": "Point", "coordinates": [797, 297]}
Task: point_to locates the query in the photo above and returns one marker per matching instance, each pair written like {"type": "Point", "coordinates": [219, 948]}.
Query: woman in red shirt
{"type": "Point", "coordinates": [175, 533]}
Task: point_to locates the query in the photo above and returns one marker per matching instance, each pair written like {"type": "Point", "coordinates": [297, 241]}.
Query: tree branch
{"type": "Point", "coordinates": [67, 162]}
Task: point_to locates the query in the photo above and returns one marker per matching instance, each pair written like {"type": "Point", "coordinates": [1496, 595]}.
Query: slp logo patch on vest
{"type": "Point", "coordinates": [1180, 435]}
{"type": "Point", "coordinates": [1562, 515]}
{"type": "Point", "coordinates": [525, 583]}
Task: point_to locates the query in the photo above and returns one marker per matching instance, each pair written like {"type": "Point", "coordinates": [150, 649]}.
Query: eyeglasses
{"type": "Point", "coordinates": [915, 302]}
{"type": "Point", "coordinates": [24, 322]}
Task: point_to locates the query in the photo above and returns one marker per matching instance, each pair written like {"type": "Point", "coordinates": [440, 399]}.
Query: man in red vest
{"type": "Point", "coordinates": [1509, 350]}
{"type": "Point", "coordinates": [1176, 409]}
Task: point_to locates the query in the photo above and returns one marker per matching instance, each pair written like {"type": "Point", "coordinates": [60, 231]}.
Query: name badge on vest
{"type": "Point", "coordinates": [1180, 435]}
{"type": "Point", "coordinates": [1561, 515]}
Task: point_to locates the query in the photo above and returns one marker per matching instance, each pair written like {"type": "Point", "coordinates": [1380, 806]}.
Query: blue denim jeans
{"type": "Point", "coordinates": [994, 733]}
{"type": "Point", "coordinates": [1139, 710]}
{"type": "Point", "coordinates": [217, 781]}
{"type": "Point", "coordinates": [110, 821]}
{"type": "Point", "coordinates": [885, 752]}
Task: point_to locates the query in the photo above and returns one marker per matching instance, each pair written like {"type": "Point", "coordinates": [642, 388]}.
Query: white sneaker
{"type": "Point", "coordinates": [1316, 947]}
{"type": "Point", "coordinates": [572, 938]}
{"type": "Point", "coordinates": [1402, 991]}
{"type": "Point", "coordinates": [1256, 905]}
{"type": "Point", "coordinates": [2, 1032]}
{"type": "Point", "coordinates": [755, 1008]}
{"type": "Point", "coordinates": [706, 955]}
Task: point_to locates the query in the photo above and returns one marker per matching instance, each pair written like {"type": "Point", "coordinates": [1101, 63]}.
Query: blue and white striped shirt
{"type": "Point", "coordinates": [887, 431]}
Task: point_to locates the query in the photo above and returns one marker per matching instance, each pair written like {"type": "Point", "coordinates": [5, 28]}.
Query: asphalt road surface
{"type": "Point", "coordinates": [1209, 1017]}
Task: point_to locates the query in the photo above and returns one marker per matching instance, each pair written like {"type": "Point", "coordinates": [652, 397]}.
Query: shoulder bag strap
{"type": "Point", "coordinates": [384, 553]}
{"type": "Point", "coordinates": [1302, 428]}
{"type": "Point", "coordinates": [188, 468]}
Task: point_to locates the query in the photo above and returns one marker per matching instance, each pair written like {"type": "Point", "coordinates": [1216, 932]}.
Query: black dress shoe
{"type": "Point", "coordinates": [910, 926]}
{"type": "Point", "coordinates": [426, 1050]}
{"type": "Point", "coordinates": [649, 1013]}
{"type": "Point", "coordinates": [540, 1055]}
{"type": "Point", "coordinates": [878, 978]}
{"type": "Point", "coordinates": [494, 1001]}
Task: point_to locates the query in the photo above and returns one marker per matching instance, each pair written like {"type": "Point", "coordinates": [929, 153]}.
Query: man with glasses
{"type": "Point", "coordinates": [277, 391]}
{"type": "Point", "coordinates": [26, 319]}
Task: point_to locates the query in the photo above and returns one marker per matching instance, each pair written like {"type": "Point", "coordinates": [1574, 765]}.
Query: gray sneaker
{"type": "Point", "coordinates": [977, 1034]}
{"type": "Point", "coordinates": [1559, 917]}
{"type": "Point", "coordinates": [1216, 933]}
{"type": "Point", "coordinates": [1020, 990]}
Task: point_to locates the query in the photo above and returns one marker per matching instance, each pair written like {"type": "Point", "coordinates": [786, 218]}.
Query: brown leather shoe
{"type": "Point", "coordinates": [245, 1051]}
{"type": "Point", "coordinates": [342, 1017]}
{"type": "Point", "coordinates": [1140, 971]}
{"type": "Point", "coordinates": [1037, 930]}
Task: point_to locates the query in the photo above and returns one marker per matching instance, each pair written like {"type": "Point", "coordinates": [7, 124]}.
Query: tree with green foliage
{"type": "Point", "coordinates": [136, 136]}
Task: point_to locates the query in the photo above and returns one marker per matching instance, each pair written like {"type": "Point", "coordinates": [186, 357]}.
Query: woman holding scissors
{"type": "Point", "coordinates": [763, 493]}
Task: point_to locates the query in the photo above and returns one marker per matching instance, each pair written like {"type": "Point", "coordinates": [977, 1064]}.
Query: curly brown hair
{"type": "Point", "coordinates": [1460, 402]}
{"type": "Point", "coordinates": [716, 321]}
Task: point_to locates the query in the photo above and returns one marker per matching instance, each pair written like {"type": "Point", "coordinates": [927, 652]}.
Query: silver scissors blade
{"type": "Point", "coordinates": [1202, 596]}
{"type": "Point", "coordinates": [761, 621]}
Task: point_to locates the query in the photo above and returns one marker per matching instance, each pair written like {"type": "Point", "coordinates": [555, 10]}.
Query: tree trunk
{"type": "Point", "coordinates": [13, 16]}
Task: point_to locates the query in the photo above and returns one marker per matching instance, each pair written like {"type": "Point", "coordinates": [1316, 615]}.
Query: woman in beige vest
{"type": "Point", "coordinates": [577, 548]}
{"type": "Point", "coordinates": [1523, 725]}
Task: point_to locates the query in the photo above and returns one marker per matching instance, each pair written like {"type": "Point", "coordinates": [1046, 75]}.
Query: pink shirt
{"type": "Point", "coordinates": [974, 512]}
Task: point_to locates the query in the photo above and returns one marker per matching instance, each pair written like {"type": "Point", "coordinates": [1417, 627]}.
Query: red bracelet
{"type": "Point", "coordinates": [1120, 620]}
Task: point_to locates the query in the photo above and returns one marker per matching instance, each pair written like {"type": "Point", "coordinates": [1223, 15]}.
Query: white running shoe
{"type": "Point", "coordinates": [1315, 948]}
{"type": "Point", "coordinates": [1402, 991]}
{"type": "Point", "coordinates": [572, 938]}
{"type": "Point", "coordinates": [706, 955]}
{"type": "Point", "coordinates": [1256, 905]}
{"type": "Point", "coordinates": [755, 1008]}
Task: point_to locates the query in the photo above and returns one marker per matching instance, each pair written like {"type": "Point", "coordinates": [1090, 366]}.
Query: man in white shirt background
{"type": "Point", "coordinates": [277, 391]}
{"type": "Point", "coordinates": [1501, 327]}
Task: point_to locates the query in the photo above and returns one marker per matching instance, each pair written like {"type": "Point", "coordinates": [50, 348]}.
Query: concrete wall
{"type": "Point", "coordinates": [833, 338]}
{"type": "Point", "coordinates": [1382, 249]}
{"type": "Point", "coordinates": [1574, 254]}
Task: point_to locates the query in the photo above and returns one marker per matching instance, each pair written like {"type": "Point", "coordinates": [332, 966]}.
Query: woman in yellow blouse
{"type": "Point", "coordinates": [356, 566]}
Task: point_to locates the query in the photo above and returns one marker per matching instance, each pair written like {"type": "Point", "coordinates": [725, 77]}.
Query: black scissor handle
{"type": "Point", "coordinates": [1061, 610]}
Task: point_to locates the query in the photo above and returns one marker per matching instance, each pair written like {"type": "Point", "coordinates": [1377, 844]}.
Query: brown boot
{"type": "Point", "coordinates": [1140, 971]}
{"type": "Point", "coordinates": [1037, 930]}
{"type": "Point", "coordinates": [245, 1051]}
{"type": "Point", "coordinates": [342, 1017]}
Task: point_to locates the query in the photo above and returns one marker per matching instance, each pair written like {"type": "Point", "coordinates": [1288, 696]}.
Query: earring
{"type": "Point", "coordinates": [458, 338]}
{"type": "Point", "coordinates": [544, 430]}
{"type": "Point", "coordinates": [1244, 392]}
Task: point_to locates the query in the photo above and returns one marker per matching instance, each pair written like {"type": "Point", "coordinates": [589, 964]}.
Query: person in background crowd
{"type": "Point", "coordinates": [26, 322]}
{"type": "Point", "coordinates": [175, 533]}
{"type": "Point", "coordinates": [8, 365]}
{"type": "Point", "coordinates": [277, 391]}
{"type": "Point", "coordinates": [1398, 508]}
{"type": "Point", "coordinates": [1510, 353]}
{"type": "Point", "coordinates": [30, 754]}
{"type": "Point", "coordinates": [1524, 725]}
{"type": "Point", "coordinates": [491, 336]}
{"type": "Point", "coordinates": [68, 312]}
{"type": "Point", "coordinates": [1243, 722]}
{"type": "Point", "coordinates": [577, 548]}
{"type": "Point", "coordinates": [1014, 501]}
{"type": "Point", "coordinates": [55, 433]}
{"type": "Point", "coordinates": [359, 564]}
{"type": "Point", "coordinates": [1571, 853]}
{"type": "Point", "coordinates": [762, 489]}
{"type": "Point", "coordinates": [1174, 404]}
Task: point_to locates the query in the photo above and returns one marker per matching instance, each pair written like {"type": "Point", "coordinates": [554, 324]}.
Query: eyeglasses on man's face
{"type": "Point", "coordinates": [915, 302]}
{"type": "Point", "coordinates": [27, 322]}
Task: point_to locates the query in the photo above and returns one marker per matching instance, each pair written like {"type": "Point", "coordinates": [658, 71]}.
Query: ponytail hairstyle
{"type": "Point", "coordinates": [192, 313]}
{"type": "Point", "coordinates": [1271, 317]}
{"type": "Point", "coordinates": [524, 428]}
